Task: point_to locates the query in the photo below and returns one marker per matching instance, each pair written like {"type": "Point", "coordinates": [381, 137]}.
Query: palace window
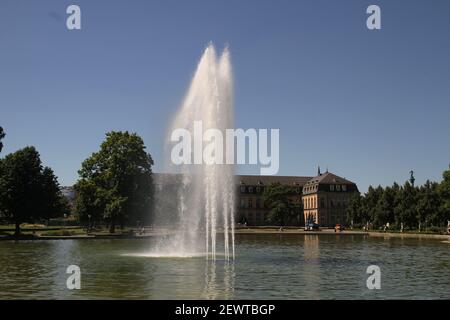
{"type": "Point", "coordinates": [250, 203]}
{"type": "Point", "coordinates": [242, 189]}
{"type": "Point", "coordinates": [331, 187]}
{"type": "Point", "coordinates": [250, 189]}
{"type": "Point", "coordinates": [344, 187]}
{"type": "Point", "coordinates": [338, 187]}
{"type": "Point", "coordinates": [258, 189]}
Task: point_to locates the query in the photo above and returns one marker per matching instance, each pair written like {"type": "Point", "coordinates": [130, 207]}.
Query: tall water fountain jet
{"type": "Point", "coordinates": [204, 192]}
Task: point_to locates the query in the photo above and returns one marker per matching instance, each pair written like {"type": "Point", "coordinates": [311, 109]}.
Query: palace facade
{"type": "Point", "coordinates": [251, 209]}
{"type": "Point", "coordinates": [325, 197]}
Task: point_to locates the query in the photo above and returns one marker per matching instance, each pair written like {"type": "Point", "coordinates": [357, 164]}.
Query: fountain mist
{"type": "Point", "coordinates": [204, 193]}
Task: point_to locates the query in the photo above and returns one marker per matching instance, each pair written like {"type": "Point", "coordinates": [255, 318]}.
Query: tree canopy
{"type": "Point", "coordinates": [411, 206]}
{"type": "Point", "coordinates": [28, 191]}
{"type": "Point", "coordinates": [2, 135]}
{"type": "Point", "coordinates": [279, 200]}
{"type": "Point", "coordinates": [444, 192]}
{"type": "Point", "coordinates": [116, 182]}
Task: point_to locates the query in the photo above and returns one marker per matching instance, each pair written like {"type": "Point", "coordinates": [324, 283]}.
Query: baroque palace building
{"type": "Point", "coordinates": [250, 205]}
{"type": "Point", "coordinates": [325, 197]}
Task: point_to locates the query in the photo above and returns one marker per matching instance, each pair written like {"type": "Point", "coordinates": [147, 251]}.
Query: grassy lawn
{"type": "Point", "coordinates": [63, 232]}
{"type": "Point", "coordinates": [28, 227]}
{"type": "Point", "coordinates": [42, 230]}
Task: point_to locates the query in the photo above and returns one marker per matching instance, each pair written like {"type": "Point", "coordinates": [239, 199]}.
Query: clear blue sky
{"type": "Point", "coordinates": [371, 105]}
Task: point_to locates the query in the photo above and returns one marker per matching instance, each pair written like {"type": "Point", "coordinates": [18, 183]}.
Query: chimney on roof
{"type": "Point", "coordinates": [318, 171]}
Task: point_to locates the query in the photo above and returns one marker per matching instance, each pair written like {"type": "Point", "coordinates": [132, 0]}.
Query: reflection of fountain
{"type": "Point", "coordinates": [215, 288]}
{"type": "Point", "coordinates": [204, 192]}
{"type": "Point", "coordinates": [311, 270]}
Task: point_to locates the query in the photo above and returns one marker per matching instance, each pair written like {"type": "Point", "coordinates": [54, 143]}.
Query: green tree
{"type": "Point", "coordinates": [370, 202]}
{"type": "Point", "coordinates": [428, 204]}
{"type": "Point", "coordinates": [53, 203]}
{"type": "Point", "coordinates": [279, 199]}
{"type": "Point", "coordinates": [116, 181]}
{"type": "Point", "coordinates": [444, 194]}
{"type": "Point", "coordinates": [2, 135]}
{"type": "Point", "coordinates": [354, 209]}
{"type": "Point", "coordinates": [384, 211]}
{"type": "Point", "coordinates": [412, 206]}
{"type": "Point", "coordinates": [396, 193]}
{"type": "Point", "coordinates": [406, 209]}
{"type": "Point", "coordinates": [89, 202]}
{"type": "Point", "coordinates": [28, 191]}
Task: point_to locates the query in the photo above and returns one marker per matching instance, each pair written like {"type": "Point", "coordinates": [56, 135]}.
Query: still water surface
{"type": "Point", "coordinates": [266, 267]}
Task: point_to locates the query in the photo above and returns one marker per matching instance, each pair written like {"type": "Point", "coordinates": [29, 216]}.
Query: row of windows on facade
{"type": "Point", "coordinates": [259, 203]}
{"type": "Point", "coordinates": [333, 187]}
{"type": "Point", "coordinates": [312, 203]}
{"type": "Point", "coordinates": [338, 187]}
{"type": "Point", "coordinates": [258, 189]}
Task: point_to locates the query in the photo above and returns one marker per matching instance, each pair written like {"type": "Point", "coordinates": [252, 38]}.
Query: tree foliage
{"type": "Point", "coordinates": [279, 200]}
{"type": "Point", "coordinates": [2, 135]}
{"type": "Point", "coordinates": [444, 193]}
{"type": "Point", "coordinates": [116, 182]}
{"type": "Point", "coordinates": [29, 191]}
{"type": "Point", "coordinates": [413, 207]}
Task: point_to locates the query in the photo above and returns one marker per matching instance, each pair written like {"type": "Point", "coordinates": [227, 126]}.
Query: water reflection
{"type": "Point", "coordinates": [60, 255]}
{"type": "Point", "coordinates": [311, 265]}
{"type": "Point", "coordinates": [219, 285]}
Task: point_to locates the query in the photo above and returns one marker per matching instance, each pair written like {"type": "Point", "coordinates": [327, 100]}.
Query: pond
{"type": "Point", "coordinates": [266, 267]}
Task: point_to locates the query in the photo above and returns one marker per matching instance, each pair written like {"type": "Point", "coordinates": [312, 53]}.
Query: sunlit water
{"type": "Point", "coordinates": [266, 267]}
